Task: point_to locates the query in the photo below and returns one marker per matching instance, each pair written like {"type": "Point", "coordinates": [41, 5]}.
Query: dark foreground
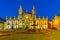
{"type": "Point", "coordinates": [43, 35]}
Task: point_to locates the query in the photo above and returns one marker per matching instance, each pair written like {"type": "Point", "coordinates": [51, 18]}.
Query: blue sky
{"type": "Point", "coordinates": [44, 8]}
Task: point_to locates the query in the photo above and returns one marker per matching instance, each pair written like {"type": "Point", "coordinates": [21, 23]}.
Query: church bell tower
{"type": "Point", "coordinates": [20, 12]}
{"type": "Point", "coordinates": [33, 12]}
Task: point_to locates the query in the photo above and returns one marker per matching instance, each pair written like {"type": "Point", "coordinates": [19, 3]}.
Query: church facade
{"type": "Point", "coordinates": [26, 21]}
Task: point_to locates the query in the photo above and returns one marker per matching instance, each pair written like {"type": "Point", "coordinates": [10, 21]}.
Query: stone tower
{"type": "Point", "coordinates": [20, 12]}
{"type": "Point", "coordinates": [33, 12]}
{"type": "Point", "coordinates": [33, 16]}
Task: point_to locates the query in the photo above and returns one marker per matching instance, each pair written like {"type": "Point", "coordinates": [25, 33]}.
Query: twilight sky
{"type": "Point", "coordinates": [44, 8]}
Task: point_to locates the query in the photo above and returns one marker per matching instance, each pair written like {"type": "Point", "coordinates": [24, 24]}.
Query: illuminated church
{"type": "Point", "coordinates": [26, 21]}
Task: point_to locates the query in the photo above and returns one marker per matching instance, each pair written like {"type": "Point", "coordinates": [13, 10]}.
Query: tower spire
{"type": "Point", "coordinates": [33, 7]}
{"type": "Point", "coordinates": [33, 10]}
{"type": "Point", "coordinates": [20, 11]}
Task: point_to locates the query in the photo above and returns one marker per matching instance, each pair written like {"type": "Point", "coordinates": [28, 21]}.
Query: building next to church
{"type": "Point", "coordinates": [26, 21]}
{"type": "Point", "coordinates": [2, 23]}
{"type": "Point", "coordinates": [56, 22]}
